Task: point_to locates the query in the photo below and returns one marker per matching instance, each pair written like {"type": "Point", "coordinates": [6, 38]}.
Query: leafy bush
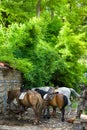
{"type": "Point", "coordinates": [41, 60]}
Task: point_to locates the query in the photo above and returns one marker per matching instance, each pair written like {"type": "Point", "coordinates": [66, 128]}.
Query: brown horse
{"type": "Point", "coordinates": [30, 99]}
{"type": "Point", "coordinates": [57, 100]}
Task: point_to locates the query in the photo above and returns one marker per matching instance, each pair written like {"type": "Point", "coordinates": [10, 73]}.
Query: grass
{"type": "Point", "coordinates": [85, 112]}
{"type": "Point", "coordinates": [74, 104]}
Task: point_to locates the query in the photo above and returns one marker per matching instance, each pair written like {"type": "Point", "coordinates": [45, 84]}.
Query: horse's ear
{"type": "Point", "coordinates": [56, 87]}
{"type": "Point", "coordinates": [36, 89]}
{"type": "Point", "coordinates": [51, 90]}
{"type": "Point", "coordinates": [50, 96]}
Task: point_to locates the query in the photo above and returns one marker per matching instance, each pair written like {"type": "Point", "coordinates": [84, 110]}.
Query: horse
{"type": "Point", "coordinates": [54, 100]}
{"type": "Point", "coordinates": [67, 92]}
{"type": "Point", "coordinates": [45, 108]}
{"type": "Point", "coordinates": [27, 99]}
{"type": "Point", "coordinates": [45, 88]}
{"type": "Point", "coordinates": [57, 100]}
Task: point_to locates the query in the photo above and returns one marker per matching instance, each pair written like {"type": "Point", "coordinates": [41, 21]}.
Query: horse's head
{"type": "Point", "coordinates": [49, 96]}
{"type": "Point", "coordinates": [12, 94]}
{"type": "Point", "coordinates": [10, 97]}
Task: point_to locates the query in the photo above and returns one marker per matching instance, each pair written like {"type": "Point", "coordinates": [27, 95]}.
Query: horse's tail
{"type": "Point", "coordinates": [72, 90]}
{"type": "Point", "coordinates": [65, 101]}
{"type": "Point", "coordinates": [39, 105]}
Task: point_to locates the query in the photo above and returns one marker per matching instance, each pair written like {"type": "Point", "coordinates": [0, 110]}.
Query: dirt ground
{"type": "Point", "coordinates": [26, 122]}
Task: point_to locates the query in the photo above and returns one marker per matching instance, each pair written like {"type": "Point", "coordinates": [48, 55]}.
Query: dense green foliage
{"type": "Point", "coordinates": [45, 40]}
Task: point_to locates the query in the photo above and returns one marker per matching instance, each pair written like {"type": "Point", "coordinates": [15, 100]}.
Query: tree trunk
{"type": "Point", "coordinates": [52, 14]}
{"type": "Point", "coordinates": [38, 8]}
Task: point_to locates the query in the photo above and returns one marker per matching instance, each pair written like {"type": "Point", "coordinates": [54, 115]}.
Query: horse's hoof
{"type": "Point", "coordinates": [53, 115]}
{"type": "Point", "coordinates": [45, 117]}
{"type": "Point", "coordinates": [36, 123]}
{"type": "Point", "coordinates": [48, 117]}
{"type": "Point", "coordinates": [68, 113]}
{"type": "Point", "coordinates": [62, 120]}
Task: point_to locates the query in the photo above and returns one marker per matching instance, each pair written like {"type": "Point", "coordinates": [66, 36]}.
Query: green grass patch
{"type": "Point", "coordinates": [85, 112]}
{"type": "Point", "coordinates": [74, 104]}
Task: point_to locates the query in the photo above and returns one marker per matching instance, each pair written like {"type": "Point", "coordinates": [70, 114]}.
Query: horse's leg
{"type": "Point", "coordinates": [79, 110]}
{"type": "Point", "coordinates": [37, 117]}
{"type": "Point", "coordinates": [62, 114]}
{"type": "Point", "coordinates": [69, 106]}
{"type": "Point", "coordinates": [21, 110]}
{"type": "Point", "coordinates": [54, 112]}
{"type": "Point", "coordinates": [46, 113]}
{"type": "Point", "coordinates": [35, 121]}
{"type": "Point", "coordinates": [69, 109]}
{"type": "Point", "coordinates": [9, 109]}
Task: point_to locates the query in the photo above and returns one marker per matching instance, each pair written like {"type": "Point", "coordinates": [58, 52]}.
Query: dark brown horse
{"type": "Point", "coordinates": [57, 100]}
{"type": "Point", "coordinates": [30, 99]}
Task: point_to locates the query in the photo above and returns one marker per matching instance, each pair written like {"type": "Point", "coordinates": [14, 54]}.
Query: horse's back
{"type": "Point", "coordinates": [45, 88]}
{"type": "Point", "coordinates": [53, 101]}
{"type": "Point", "coordinates": [59, 100]}
{"type": "Point", "coordinates": [64, 90]}
{"type": "Point", "coordinates": [31, 98]}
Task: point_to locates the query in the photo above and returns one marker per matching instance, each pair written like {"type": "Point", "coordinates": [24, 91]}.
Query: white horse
{"type": "Point", "coordinates": [45, 88]}
{"type": "Point", "coordinates": [67, 92]}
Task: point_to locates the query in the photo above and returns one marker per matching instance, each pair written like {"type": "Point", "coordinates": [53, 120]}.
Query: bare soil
{"type": "Point", "coordinates": [27, 120]}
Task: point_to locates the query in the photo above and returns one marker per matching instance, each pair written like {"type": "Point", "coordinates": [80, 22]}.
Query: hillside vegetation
{"type": "Point", "coordinates": [45, 40]}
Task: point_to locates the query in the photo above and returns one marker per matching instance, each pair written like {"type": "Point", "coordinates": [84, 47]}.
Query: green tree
{"type": "Point", "coordinates": [70, 47]}
{"type": "Point", "coordinates": [45, 40]}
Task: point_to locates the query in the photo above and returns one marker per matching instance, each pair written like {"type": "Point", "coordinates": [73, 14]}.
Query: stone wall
{"type": "Point", "coordinates": [9, 79]}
